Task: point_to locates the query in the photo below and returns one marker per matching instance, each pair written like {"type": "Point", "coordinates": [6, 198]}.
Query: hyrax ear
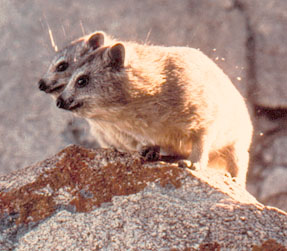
{"type": "Point", "coordinates": [117, 56]}
{"type": "Point", "coordinates": [96, 40]}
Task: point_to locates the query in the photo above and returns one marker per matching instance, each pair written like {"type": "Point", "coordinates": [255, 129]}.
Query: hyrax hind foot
{"type": "Point", "coordinates": [150, 153]}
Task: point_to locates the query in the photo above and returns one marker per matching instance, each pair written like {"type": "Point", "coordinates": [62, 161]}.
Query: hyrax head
{"type": "Point", "coordinates": [97, 84]}
{"type": "Point", "coordinates": [65, 61]}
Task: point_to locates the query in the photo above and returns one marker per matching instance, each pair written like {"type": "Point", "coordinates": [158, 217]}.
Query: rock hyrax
{"type": "Point", "coordinates": [65, 61]}
{"type": "Point", "coordinates": [175, 98]}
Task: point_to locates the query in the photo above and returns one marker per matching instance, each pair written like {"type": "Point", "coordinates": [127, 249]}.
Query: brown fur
{"type": "Point", "coordinates": [172, 97]}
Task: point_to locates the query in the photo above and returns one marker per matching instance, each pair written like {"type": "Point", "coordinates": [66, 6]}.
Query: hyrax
{"type": "Point", "coordinates": [65, 61]}
{"type": "Point", "coordinates": [174, 98]}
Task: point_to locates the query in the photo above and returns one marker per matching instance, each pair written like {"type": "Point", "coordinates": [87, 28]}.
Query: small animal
{"type": "Point", "coordinates": [65, 61]}
{"type": "Point", "coordinates": [173, 98]}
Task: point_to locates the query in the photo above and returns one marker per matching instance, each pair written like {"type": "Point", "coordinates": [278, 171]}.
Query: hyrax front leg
{"type": "Point", "coordinates": [200, 150]}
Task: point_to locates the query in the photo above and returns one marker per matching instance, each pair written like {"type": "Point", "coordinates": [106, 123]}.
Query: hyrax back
{"type": "Point", "coordinates": [172, 97]}
{"type": "Point", "coordinates": [66, 60]}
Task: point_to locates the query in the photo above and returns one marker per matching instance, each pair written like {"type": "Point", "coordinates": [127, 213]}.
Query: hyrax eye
{"type": "Point", "coordinates": [82, 81]}
{"type": "Point", "coordinates": [62, 66]}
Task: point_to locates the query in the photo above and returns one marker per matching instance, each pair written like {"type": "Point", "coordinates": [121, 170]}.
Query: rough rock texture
{"type": "Point", "coordinates": [246, 38]}
{"type": "Point", "coordinates": [102, 199]}
{"type": "Point", "coordinates": [268, 20]}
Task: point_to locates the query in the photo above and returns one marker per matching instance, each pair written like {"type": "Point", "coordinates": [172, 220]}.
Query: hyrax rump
{"type": "Point", "coordinates": [175, 98]}
{"type": "Point", "coordinates": [66, 60]}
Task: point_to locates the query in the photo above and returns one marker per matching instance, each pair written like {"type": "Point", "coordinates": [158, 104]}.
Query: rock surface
{"type": "Point", "coordinates": [246, 38]}
{"type": "Point", "coordinates": [84, 199]}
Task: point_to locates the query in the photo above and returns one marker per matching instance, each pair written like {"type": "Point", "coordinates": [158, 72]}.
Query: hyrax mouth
{"type": "Point", "coordinates": [68, 104]}
{"type": "Point", "coordinates": [56, 89]}
{"type": "Point", "coordinates": [50, 88]}
{"type": "Point", "coordinates": [75, 107]}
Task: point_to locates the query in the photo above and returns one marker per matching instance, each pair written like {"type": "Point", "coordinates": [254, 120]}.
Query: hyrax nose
{"type": "Point", "coordinates": [42, 85]}
{"type": "Point", "coordinates": [60, 102]}
{"type": "Point", "coordinates": [64, 104]}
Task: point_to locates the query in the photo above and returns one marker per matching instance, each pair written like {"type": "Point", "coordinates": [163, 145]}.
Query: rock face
{"type": "Point", "coordinates": [247, 39]}
{"type": "Point", "coordinates": [102, 199]}
{"type": "Point", "coordinates": [267, 20]}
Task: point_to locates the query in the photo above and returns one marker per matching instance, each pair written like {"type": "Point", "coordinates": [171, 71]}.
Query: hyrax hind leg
{"type": "Point", "coordinates": [237, 158]}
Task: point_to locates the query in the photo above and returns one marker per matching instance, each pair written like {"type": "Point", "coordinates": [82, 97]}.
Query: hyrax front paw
{"type": "Point", "coordinates": [184, 163]}
{"type": "Point", "coordinates": [188, 164]}
{"type": "Point", "coordinates": [150, 153]}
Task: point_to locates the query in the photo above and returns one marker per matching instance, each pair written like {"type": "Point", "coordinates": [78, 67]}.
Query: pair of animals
{"type": "Point", "coordinates": [139, 97]}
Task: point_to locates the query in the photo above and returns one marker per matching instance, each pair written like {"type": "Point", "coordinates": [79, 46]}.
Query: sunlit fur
{"type": "Point", "coordinates": [173, 97]}
{"type": "Point", "coordinates": [72, 54]}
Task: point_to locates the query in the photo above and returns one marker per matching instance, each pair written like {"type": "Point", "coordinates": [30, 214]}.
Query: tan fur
{"type": "Point", "coordinates": [172, 97]}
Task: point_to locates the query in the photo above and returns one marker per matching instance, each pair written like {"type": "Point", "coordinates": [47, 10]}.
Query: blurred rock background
{"type": "Point", "coordinates": [247, 39]}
